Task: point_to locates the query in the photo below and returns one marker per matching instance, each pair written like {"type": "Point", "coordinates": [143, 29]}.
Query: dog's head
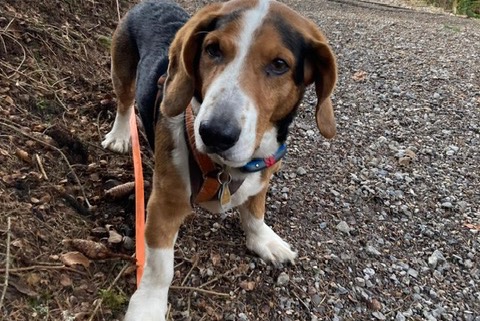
{"type": "Point", "coordinates": [246, 64]}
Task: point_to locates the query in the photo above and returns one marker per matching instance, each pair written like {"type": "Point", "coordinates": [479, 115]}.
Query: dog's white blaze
{"type": "Point", "coordinates": [227, 87]}
{"type": "Point", "coordinates": [149, 302]}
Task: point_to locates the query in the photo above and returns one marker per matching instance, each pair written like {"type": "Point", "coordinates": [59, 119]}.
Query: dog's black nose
{"type": "Point", "coordinates": [218, 136]}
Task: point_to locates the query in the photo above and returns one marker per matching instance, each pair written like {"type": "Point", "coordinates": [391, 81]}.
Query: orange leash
{"type": "Point", "coordinates": [139, 199]}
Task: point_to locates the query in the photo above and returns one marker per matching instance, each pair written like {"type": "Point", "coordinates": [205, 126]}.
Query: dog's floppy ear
{"type": "Point", "coordinates": [321, 68]}
{"type": "Point", "coordinates": [184, 50]}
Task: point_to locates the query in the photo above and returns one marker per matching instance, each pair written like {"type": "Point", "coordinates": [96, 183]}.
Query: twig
{"type": "Point", "coordinates": [7, 262]}
{"type": "Point", "coordinates": [194, 265]}
{"type": "Point", "coordinates": [118, 10]}
{"type": "Point", "coordinates": [189, 288]}
{"type": "Point", "coordinates": [40, 165]}
{"type": "Point", "coordinates": [98, 304]}
{"type": "Point", "coordinates": [21, 46]}
{"type": "Point", "coordinates": [18, 130]}
{"type": "Point", "coordinates": [42, 267]}
{"type": "Point", "coordinates": [217, 278]}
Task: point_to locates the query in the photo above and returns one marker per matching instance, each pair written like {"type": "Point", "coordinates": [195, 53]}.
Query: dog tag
{"type": "Point", "coordinates": [224, 197]}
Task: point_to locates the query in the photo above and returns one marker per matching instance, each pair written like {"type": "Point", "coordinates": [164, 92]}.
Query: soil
{"type": "Point", "coordinates": [385, 217]}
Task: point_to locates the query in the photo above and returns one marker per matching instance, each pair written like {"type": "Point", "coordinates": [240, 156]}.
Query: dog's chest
{"type": "Point", "coordinates": [252, 185]}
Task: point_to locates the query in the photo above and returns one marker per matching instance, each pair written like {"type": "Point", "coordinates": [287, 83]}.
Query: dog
{"type": "Point", "coordinates": [236, 73]}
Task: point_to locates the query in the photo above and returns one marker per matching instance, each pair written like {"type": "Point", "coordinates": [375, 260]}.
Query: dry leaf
{"type": "Point", "coordinates": [65, 280]}
{"type": "Point", "coordinates": [247, 285]}
{"type": "Point", "coordinates": [23, 155]}
{"type": "Point", "coordinates": [114, 237]}
{"type": "Point", "coordinates": [472, 227]}
{"type": "Point", "coordinates": [404, 161]}
{"type": "Point", "coordinates": [410, 153]}
{"type": "Point", "coordinates": [359, 76]}
{"type": "Point", "coordinates": [216, 259]}
{"type": "Point", "coordinates": [23, 288]}
{"type": "Point", "coordinates": [75, 258]}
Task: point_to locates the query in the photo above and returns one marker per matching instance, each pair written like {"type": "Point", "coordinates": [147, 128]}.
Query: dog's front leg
{"type": "Point", "coordinates": [167, 207]}
{"type": "Point", "coordinates": [261, 239]}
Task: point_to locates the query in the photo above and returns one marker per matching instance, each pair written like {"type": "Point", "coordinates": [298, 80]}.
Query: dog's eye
{"type": "Point", "coordinates": [277, 67]}
{"type": "Point", "coordinates": [214, 51]}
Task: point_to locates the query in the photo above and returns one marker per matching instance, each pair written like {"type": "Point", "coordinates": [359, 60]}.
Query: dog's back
{"type": "Point", "coordinates": [150, 26]}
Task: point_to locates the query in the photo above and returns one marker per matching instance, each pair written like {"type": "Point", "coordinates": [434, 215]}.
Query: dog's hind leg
{"type": "Point", "coordinates": [124, 67]}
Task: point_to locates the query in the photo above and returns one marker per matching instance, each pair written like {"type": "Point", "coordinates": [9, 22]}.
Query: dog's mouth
{"type": "Point", "coordinates": [224, 159]}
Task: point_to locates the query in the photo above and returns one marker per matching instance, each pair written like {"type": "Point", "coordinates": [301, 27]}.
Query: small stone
{"type": "Point", "coordinates": [413, 272]}
{"type": "Point", "coordinates": [323, 225]}
{"type": "Point", "coordinates": [379, 315]}
{"type": "Point", "coordinates": [447, 205]}
{"type": "Point", "coordinates": [316, 300]}
{"type": "Point", "coordinates": [468, 263]}
{"type": "Point", "coordinates": [310, 133]}
{"type": "Point", "coordinates": [301, 171]}
{"type": "Point", "coordinates": [436, 95]}
{"type": "Point", "coordinates": [128, 243]}
{"type": "Point", "coordinates": [360, 281]}
{"type": "Point", "coordinates": [435, 259]}
{"type": "Point", "coordinates": [283, 279]}
{"type": "Point", "coordinates": [372, 250]}
{"type": "Point", "coordinates": [242, 317]}
{"type": "Point", "coordinates": [343, 227]}
{"type": "Point", "coordinates": [399, 317]}
{"type": "Point", "coordinates": [369, 272]}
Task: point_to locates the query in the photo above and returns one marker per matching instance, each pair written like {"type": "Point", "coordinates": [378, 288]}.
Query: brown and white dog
{"type": "Point", "coordinates": [237, 72]}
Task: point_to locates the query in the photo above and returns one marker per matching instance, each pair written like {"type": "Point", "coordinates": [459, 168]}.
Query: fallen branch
{"type": "Point", "coordinates": [41, 267]}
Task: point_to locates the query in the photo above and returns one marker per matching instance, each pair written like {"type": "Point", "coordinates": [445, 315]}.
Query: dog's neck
{"type": "Point", "coordinates": [210, 180]}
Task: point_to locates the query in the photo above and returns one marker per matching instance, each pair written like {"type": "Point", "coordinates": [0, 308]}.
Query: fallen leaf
{"type": "Point", "coordinates": [114, 237]}
{"type": "Point", "coordinates": [23, 155]}
{"type": "Point", "coordinates": [75, 258]}
{"type": "Point", "coordinates": [359, 76]}
{"type": "Point", "coordinates": [65, 280]}
{"type": "Point", "coordinates": [404, 161]}
{"type": "Point", "coordinates": [474, 227]}
{"type": "Point", "coordinates": [247, 285]}
{"type": "Point", "coordinates": [216, 259]}
{"type": "Point", "coordinates": [23, 288]}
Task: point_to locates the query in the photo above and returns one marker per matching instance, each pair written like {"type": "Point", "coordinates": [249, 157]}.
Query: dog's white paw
{"type": "Point", "coordinates": [147, 306]}
{"type": "Point", "coordinates": [118, 139]}
{"type": "Point", "coordinates": [269, 246]}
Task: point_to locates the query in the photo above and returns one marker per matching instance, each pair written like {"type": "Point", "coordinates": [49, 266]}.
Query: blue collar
{"type": "Point", "coordinates": [258, 164]}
